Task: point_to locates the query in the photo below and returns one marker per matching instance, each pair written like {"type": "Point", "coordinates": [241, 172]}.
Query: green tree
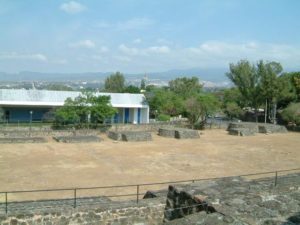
{"type": "Point", "coordinates": [291, 114]}
{"type": "Point", "coordinates": [132, 89]}
{"type": "Point", "coordinates": [185, 87]}
{"type": "Point", "coordinates": [198, 107]}
{"type": "Point", "coordinates": [143, 84]}
{"type": "Point", "coordinates": [115, 83]}
{"type": "Point", "coordinates": [288, 92]}
{"type": "Point", "coordinates": [233, 110]}
{"type": "Point", "coordinates": [79, 110]}
{"type": "Point", "coordinates": [247, 80]}
{"type": "Point", "coordinates": [58, 87]}
{"type": "Point", "coordinates": [67, 114]}
{"type": "Point", "coordinates": [163, 101]}
{"type": "Point", "coordinates": [270, 86]}
{"type": "Point", "coordinates": [296, 82]}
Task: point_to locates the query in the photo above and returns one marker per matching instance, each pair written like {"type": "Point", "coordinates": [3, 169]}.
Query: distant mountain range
{"type": "Point", "coordinates": [203, 74]}
{"type": "Point", "coordinates": [210, 77]}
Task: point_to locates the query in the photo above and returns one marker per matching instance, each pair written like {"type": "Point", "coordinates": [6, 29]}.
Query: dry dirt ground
{"type": "Point", "coordinates": [215, 154]}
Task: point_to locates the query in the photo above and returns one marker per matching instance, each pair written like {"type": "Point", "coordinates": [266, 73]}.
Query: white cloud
{"type": "Point", "coordinates": [126, 25]}
{"type": "Point", "coordinates": [104, 49]}
{"type": "Point", "coordinates": [83, 44]}
{"type": "Point", "coordinates": [135, 23]}
{"type": "Point", "coordinates": [144, 51]}
{"type": "Point", "coordinates": [129, 51]}
{"type": "Point", "coordinates": [13, 55]}
{"type": "Point", "coordinates": [158, 49]}
{"type": "Point", "coordinates": [72, 7]}
{"type": "Point", "coordinates": [137, 41]}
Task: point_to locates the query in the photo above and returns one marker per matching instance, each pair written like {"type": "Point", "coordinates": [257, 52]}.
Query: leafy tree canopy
{"type": "Point", "coordinates": [115, 83]}
{"type": "Point", "coordinates": [185, 87]}
{"type": "Point", "coordinates": [83, 107]}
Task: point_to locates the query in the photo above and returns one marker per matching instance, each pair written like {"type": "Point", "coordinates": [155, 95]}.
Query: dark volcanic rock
{"type": "Point", "coordinates": [182, 203]}
{"type": "Point", "coordinates": [150, 194]}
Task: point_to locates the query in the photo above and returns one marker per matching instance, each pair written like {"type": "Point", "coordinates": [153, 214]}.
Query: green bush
{"type": "Point", "coordinates": [291, 114]}
{"type": "Point", "coordinates": [163, 117]}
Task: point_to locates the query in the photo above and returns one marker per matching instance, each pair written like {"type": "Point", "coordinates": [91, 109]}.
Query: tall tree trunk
{"type": "Point", "coordinates": [274, 112]}
{"type": "Point", "coordinates": [266, 110]}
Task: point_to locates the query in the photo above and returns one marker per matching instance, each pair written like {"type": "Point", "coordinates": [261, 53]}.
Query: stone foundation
{"type": "Point", "coordinates": [179, 133]}
{"type": "Point", "coordinates": [241, 132]}
{"type": "Point", "coordinates": [166, 132]}
{"type": "Point", "coordinates": [186, 134]}
{"type": "Point", "coordinates": [77, 139]}
{"type": "Point", "coordinates": [23, 140]}
{"type": "Point", "coordinates": [248, 129]}
{"type": "Point", "coordinates": [130, 136]}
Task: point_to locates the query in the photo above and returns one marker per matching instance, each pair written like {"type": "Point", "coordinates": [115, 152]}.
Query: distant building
{"type": "Point", "coordinates": [23, 105]}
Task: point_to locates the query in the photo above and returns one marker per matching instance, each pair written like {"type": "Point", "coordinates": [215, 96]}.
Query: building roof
{"type": "Point", "coordinates": [20, 97]}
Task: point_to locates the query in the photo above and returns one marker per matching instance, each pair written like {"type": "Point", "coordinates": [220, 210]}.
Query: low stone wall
{"type": "Point", "coordinates": [47, 133]}
{"type": "Point", "coordinates": [241, 132]}
{"type": "Point", "coordinates": [77, 139]}
{"type": "Point", "coordinates": [271, 128]}
{"type": "Point", "coordinates": [248, 129]}
{"type": "Point", "coordinates": [235, 200]}
{"type": "Point", "coordinates": [117, 136]}
{"type": "Point", "coordinates": [252, 127]}
{"type": "Point", "coordinates": [135, 215]}
{"type": "Point", "coordinates": [130, 136]}
{"type": "Point", "coordinates": [179, 133]}
{"type": "Point", "coordinates": [150, 127]}
{"type": "Point", "coordinates": [136, 136]}
{"type": "Point", "coordinates": [186, 134]}
{"type": "Point", "coordinates": [23, 140]}
{"type": "Point", "coordinates": [166, 132]}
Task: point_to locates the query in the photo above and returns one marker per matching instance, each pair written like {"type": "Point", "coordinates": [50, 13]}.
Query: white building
{"type": "Point", "coordinates": [24, 105]}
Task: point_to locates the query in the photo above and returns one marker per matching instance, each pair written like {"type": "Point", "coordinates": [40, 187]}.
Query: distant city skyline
{"type": "Point", "coordinates": [138, 36]}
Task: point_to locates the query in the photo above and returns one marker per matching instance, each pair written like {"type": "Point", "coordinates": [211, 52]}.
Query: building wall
{"type": "Point", "coordinates": [124, 115]}
{"type": "Point", "coordinates": [22, 114]}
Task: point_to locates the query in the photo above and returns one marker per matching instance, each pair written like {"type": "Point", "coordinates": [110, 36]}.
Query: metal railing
{"type": "Point", "coordinates": [75, 198]}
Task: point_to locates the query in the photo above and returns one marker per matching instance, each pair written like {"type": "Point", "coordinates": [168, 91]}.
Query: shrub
{"type": "Point", "coordinates": [163, 117]}
{"type": "Point", "coordinates": [291, 114]}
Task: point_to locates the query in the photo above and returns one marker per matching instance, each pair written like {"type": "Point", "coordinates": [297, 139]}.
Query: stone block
{"type": "Point", "coordinates": [166, 132]}
{"type": "Point", "coordinates": [186, 134]}
{"type": "Point", "coordinates": [241, 132]}
{"type": "Point", "coordinates": [114, 135]}
{"type": "Point", "coordinates": [136, 136]}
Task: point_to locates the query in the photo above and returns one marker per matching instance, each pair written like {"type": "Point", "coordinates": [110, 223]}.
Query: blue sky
{"type": "Point", "coordinates": [137, 36]}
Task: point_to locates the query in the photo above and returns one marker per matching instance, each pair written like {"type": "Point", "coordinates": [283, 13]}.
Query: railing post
{"type": "Point", "coordinates": [75, 198]}
{"type": "Point", "coordinates": [6, 206]}
{"type": "Point", "coordinates": [276, 175]}
{"type": "Point", "coordinates": [137, 193]}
